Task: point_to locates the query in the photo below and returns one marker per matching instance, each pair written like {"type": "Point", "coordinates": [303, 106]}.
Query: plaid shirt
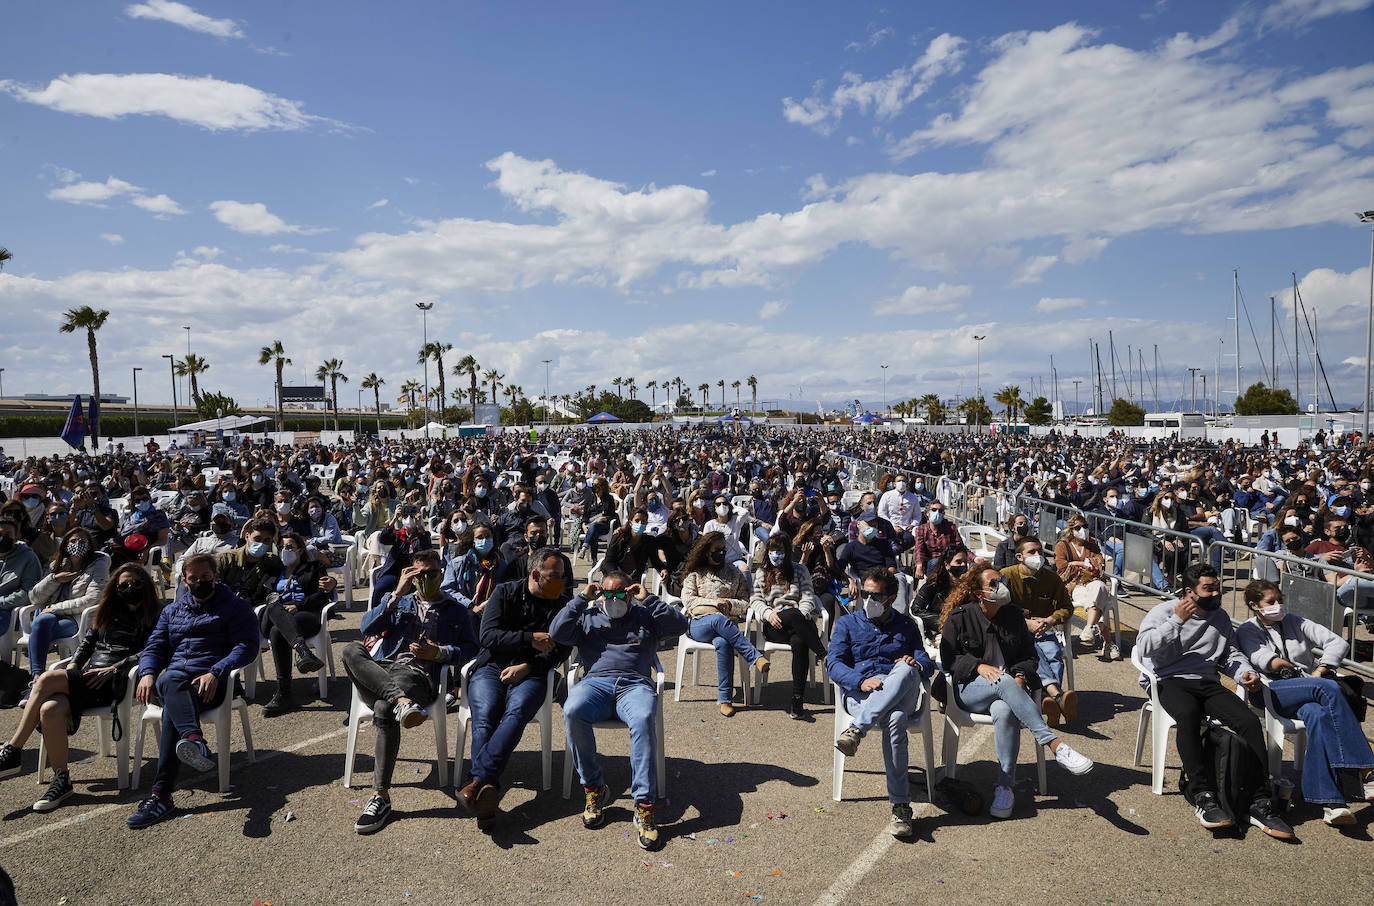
{"type": "Point", "coordinates": [932, 540]}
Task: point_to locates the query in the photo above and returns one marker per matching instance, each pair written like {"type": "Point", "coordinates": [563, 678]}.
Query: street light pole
{"type": "Point", "coordinates": [137, 369]}
{"type": "Point", "coordinates": [172, 364]}
{"type": "Point", "coordinates": [424, 323]}
{"type": "Point", "coordinates": [1076, 382]}
{"type": "Point", "coordinates": [2, 383]}
{"type": "Point", "coordinates": [546, 391]}
{"type": "Point", "coordinates": [978, 384]}
{"type": "Point", "coordinates": [885, 409]}
{"type": "Point", "coordinates": [360, 412]}
{"type": "Point", "coordinates": [1368, 217]}
{"type": "Point", "coordinates": [187, 387]}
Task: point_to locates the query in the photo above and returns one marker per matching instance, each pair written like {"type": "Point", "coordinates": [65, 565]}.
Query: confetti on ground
{"type": "Point", "coordinates": [1216, 851]}
{"type": "Point", "coordinates": [354, 801]}
{"type": "Point", "coordinates": [1170, 834]}
{"type": "Point", "coordinates": [755, 824]}
{"type": "Point", "coordinates": [713, 840]}
{"type": "Point", "coordinates": [819, 808]}
{"type": "Point", "coordinates": [734, 874]}
{"type": "Point", "coordinates": [646, 864]}
{"type": "Point", "coordinates": [666, 864]}
{"type": "Point", "coordinates": [417, 770]}
{"type": "Point", "coordinates": [271, 788]}
{"type": "Point", "coordinates": [82, 818]}
{"type": "Point", "coordinates": [743, 835]}
{"type": "Point", "coordinates": [729, 839]}
{"type": "Point", "coordinates": [627, 836]}
{"type": "Point", "coordinates": [775, 872]}
{"type": "Point", "coordinates": [754, 896]}
{"type": "Point", "coordinates": [939, 881]}
{"type": "Point", "coordinates": [781, 815]}
{"type": "Point", "coordinates": [715, 737]}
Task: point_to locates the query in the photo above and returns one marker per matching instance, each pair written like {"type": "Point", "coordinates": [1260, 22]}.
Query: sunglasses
{"type": "Point", "coordinates": [428, 574]}
{"type": "Point", "coordinates": [615, 595]}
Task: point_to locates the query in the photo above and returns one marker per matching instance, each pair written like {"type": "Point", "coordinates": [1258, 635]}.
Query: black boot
{"type": "Point", "coordinates": [306, 660]}
{"type": "Point", "coordinates": [279, 703]}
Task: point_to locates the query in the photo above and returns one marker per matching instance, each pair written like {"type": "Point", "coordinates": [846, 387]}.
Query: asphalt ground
{"type": "Point", "coordinates": [748, 815]}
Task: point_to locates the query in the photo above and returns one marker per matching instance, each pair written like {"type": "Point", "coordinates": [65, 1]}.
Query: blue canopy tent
{"type": "Point", "coordinates": [602, 417]}
{"type": "Point", "coordinates": [868, 418]}
{"type": "Point", "coordinates": [734, 418]}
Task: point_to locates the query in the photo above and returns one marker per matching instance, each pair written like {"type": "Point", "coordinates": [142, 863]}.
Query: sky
{"type": "Point", "coordinates": [803, 192]}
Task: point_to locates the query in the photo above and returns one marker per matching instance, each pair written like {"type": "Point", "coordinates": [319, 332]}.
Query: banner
{"type": "Point", "coordinates": [74, 431]}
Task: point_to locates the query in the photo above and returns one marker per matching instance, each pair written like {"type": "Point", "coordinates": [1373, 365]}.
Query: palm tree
{"type": "Point", "coordinates": [191, 366]}
{"type": "Point", "coordinates": [468, 365]}
{"type": "Point", "coordinates": [4, 256]}
{"type": "Point", "coordinates": [90, 320]}
{"type": "Point", "coordinates": [435, 350]}
{"type": "Point", "coordinates": [705, 391]}
{"type": "Point", "coordinates": [975, 409]}
{"type": "Point", "coordinates": [494, 378]}
{"type": "Point", "coordinates": [721, 384]}
{"type": "Point", "coordinates": [736, 386]}
{"type": "Point", "coordinates": [512, 392]}
{"type": "Point", "coordinates": [652, 387]}
{"type": "Point", "coordinates": [1010, 398]}
{"type": "Point", "coordinates": [931, 404]}
{"type": "Point", "coordinates": [630, 387]}
{"type": "Point", "coordinates": [753, 383]}
{"type": "Point", "coordinates": [617, 382]}
{"type": "Point", "coordinates": [332, 371]}
{"type": "Point", "coordinates": [275, 353]}
{"type": "Point", "coordinates": [408, 391]}
{"type": "Point", "coordinates": [374, 383]}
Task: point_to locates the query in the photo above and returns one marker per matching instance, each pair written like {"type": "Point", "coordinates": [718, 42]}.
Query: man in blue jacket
{"type": "Point", "coordinates": [413, 630]}
{"type": "Point", "coordinates": [878, 660]}
{"type": "Point", "coordinates": [616, 628]}
{"type": "Point", "coordinates": [206, 633]}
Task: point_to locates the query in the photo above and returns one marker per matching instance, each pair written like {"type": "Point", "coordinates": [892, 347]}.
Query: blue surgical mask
{"type": "Point", "coordinates": [776, 557]}
{"type": "Point", "coordinates": [481, 491]}
{"type": "Point", "coordinates": [258, 549]}
{"type": "Point", "coordinates": [1343, 511]}
{"type": "Point", "coordinates": [230, 496]}
{"type": "Point", "coordinates": [870, 532]}
{"type": "Point", "coordinates": [142, 506]}
{"type": "Point", "coordinates": [482, 545]}
{"type": "Point", "coordinates": [937, 517]}
{"type": "Point", "coordinates": [638, 527]}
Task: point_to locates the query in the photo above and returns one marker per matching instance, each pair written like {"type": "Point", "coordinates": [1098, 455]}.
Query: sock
{"type": "Point", "coordinates": [164, 795]}
{"type": "Point", "coordinates": [194, 736]}
{"type": "Point", "coordinates": [647, 806]}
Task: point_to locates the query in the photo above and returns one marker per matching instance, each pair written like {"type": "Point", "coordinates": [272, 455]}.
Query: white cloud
{"type": "Point", "coordinates": [772, 309]}
{"type": "Point", "coordinates": [922, 300]}
{"type": "Point", "coordinates": [708, 173]}
{"type": "Point", "coordinates": [885, 97]}
{"type": "Point", "coordinates": [1300, 12]}
{"type": "Point", "coordinates": [183, 15]}
{"type": "Point", "coordinates": [112, 238]}
{"type": "Point", "coordinates": [1032, 269]}
{"type": "Point", "coordinates": [209, 253]}
{"type": "Point", "coordinates": [201, 101]}
{"type": "Point", "coordinates": [1048, 304]}
{"type": "Point", "coordinates": [1079, 250]}
{"type": "Point", "coordinates": [93, 193]}
{"type": "Point", "coordinates": [254, 219]}
{"type": "Point", "coordinates": [160, 206]}
{"type": "Point", "coordinates": [379, 203]}
{"type": "Point", "coordinates": [875, 37]}
{"type": "Point", "coordinates": [282, 248]}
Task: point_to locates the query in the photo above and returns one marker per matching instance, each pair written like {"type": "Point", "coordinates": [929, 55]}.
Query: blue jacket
{"type": "Point", "coordinates": [861, 649]}
{"type": "Point", "coordinates": [626, 647]}
{"type": "Point", "coordinates": [395, 622]}
{"type": "Point", "coordinates": [461, 577]}
{"type": "Point", "coordinates": [216, 637]}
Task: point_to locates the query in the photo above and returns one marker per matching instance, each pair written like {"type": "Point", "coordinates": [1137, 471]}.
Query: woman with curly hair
{"type": "Point", "coordinates": [715, 595]}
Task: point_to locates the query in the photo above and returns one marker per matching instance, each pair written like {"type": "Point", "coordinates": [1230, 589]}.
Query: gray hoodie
{"type": "Point", "coordinates": [1197, 649]}
{"type": "Point", "coordinates": [1292, 639]}
{"type": "Point", "coordinates": [19, 573]}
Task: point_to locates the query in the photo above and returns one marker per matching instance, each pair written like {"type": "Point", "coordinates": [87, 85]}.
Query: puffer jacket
{"type": "Point", "coordinates": [703, 589]}
{"type": "Point", "coordinates": [216, 636]}
{"type": "Point", "coordinates": [70, 599]}
{"type": "Point", "coordinates": [119, 644]}
{"type": "Point", "coordinates": [798, 594]}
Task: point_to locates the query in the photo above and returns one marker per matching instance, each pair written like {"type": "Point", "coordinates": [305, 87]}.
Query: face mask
{"type": "Point", "coordinates": [535, 542]}
{"type": "Point", "coordinates": [1021, 530]}
{"type": "Point", "coordinates": [289, 557]}
{"type": "Point", "coordinates": [1081, 534]}
{"type": "Point", "coordinates": [1343, 511]}
{"type": "Point", "coordinates": [76, 549]}
{"type": "Point", "coordinates": [1292, 520]}
{"type": "Point", "coordinates": [130, 592]}
{"type": "Point", "coordinates": [409, 523]}
{"type": "Point", "coordinates": [284, 508]}
{"type": "Point", "coordinates": [776, 557]}
{"type": "Point", "coordinates": [258, 549]}
{"type": "Point", "coordinates": [1209, 603]}
{"type": "Point", "coordinates": [901, 487]}
{"type": "Point", "coordinates": [920, 485]}
{"type": "Point", "coordinates": [1273, 612]}
{"type": "Point", "coordinates": [1341, 535]}
{"type": "Point", "coordinates": [1182, 495]}
{"type": "Point", "coordinates": [202, 589]}
{"type": "Point", "coordinates": [615, 607]}
{"type": "Point", "coordinates": [482, 545]}
{"type": "Point", "coordinates": [1112, 503]}
{"type": "Point", "coordinates": [958, 571]}
{"type": "Point", "coordinates": [698, 504]}
{"type": "Point", "coordinates": [722, 511]}
{"type": "Point", "coordinates": [582, 486]}
{"type": "Point", "coordinates": [1034, 562]}
{"type": "Point", "coordinates": [481, 491]}
{"type": "Point", "coordinates": [6, 544]}
{"type": "Point", "coordinates": [257, 479]}
{"type": "Point", "coordinates": [428, 587]}
{"type": "Point", "coordinates": [142, 506]}
{"type": "Point", "coordinates": [316, 513]}
{"type": "Point", "coordinates": [638, 527]}
{"type": "Point", "coordinates": [870, 532]}
{"type": "Point", "coordinates": [937, 517]}
{"type": "Point", "coordinates": [552, 588]}
{"type": "Point", "coordinates": [460, 526]}
{"type": "Point", "coordinates": [539, 488]}
{"type": "Point", "coordinates": [873, 606]}
{"type": "Point", "coordinates": [1364, 486]}
{"type": "Point", "coordinates": [1000, 594]}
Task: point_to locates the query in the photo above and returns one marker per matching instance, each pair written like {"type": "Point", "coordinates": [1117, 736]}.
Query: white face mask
{"type": "Point", "coordinates": [1000, 595]}
{"type": "Point", "coordinates": [901, 487]}
{"type": "Point", "coordinates": [1167, 504]}
{"type": "Point", "coordinates": [1081, 534]}
{"type": "Point", "coordinates": [289, 557]}
{"type": "Point", "coordinates": [775, 557]}
{"type": "Point", "coordinates": [1273, 612]}
{"type": "Point", "coordinates": [722, 511]}
{"type": "Point", "coordinates": [1182, 495]}
{"type": "Point", "coordinates": [284, 508]}
{"type": "Point", "coordinates": [873, 606]}
{"type": "Point", "coordinates": [1034, 562]}
{"type": "Point", "coordinates": [615, 607]}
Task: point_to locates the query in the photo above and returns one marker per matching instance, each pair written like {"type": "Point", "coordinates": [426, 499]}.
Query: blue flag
{"type": "Point", "coordinates": [95, 423]}
{"type": "Point", "coordinates": [74, 431]}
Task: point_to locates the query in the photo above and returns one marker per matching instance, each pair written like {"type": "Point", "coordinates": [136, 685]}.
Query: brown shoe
{"type": "Point", "coordinates": [727, 709]}
{"type": "Point", "coordinates": [762, 665]}
{"type": "Point", "coordinates": [468, 795]}
{"type": "Point", "coordinates": [1068, 704]}
{"type": "Point", "coordinates": [1050, 708]}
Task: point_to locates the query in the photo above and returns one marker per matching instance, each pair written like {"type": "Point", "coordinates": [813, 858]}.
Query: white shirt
{"type": "Point", "coordinates": [730, 528]}
{"type": "Point", "coordinates": [902, 509]}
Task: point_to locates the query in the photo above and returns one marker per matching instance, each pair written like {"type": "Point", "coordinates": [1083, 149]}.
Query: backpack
{"type": "Point", "coordinates": [1239, 773]}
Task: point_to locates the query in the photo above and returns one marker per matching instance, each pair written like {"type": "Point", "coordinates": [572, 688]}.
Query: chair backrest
{"type": "Point", "coordinates": [1138, 661]}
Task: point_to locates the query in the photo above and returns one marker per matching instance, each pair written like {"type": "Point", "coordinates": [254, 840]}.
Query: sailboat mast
{"type": "Point", "coordinates": [1235, 301]}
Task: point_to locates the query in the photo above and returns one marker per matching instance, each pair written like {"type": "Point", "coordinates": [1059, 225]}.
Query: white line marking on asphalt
{"type": "Point", "coordinates": [861, 866]}
{"type": "Point", "coordinates": [116, 806]}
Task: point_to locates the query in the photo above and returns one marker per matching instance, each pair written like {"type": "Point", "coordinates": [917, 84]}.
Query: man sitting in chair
{"type": "Point", "coordinates": [878, 659]}
{"type": "Point", "coordinates": [206, 633]}
{"type": "Point", "coordinates": [413, 630]}
{"type": "Point", "coordinates": [616, 628]}
{"type": "Point", "coordinates": [510, 679]}
{"type": "Point", "coordinates": [1037, 589]}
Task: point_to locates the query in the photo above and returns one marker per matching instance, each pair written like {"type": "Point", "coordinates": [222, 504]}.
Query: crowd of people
{"type": "Point", "coordinates": [750, 540]}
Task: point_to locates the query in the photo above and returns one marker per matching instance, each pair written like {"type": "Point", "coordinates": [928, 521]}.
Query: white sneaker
{"type": "Point", "coordinates": [1338, 816]}
{"type": "Point", "coordinates": [1073, 762]}
{"type": "Point", "coordinates": [1003, 800]}
{"type": "Point", "coordinates": [1086, 636]}
{"type": "Point", "coordinates": [1369, 790]}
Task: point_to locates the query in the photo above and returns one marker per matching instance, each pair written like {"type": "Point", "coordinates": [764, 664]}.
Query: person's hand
{"type": "Point", "coordinates": [515, 673]}
{"type": "Point", "coordinates": [1184, 609]}
{"type": "Point", "coordinates": [99, 676]}
{"type": "Point", "coordinates": [1329, 557]}
{"type": "Point", "coordinates": [637, 591]}
{"type": "Point", "coordinates": [1036, 625]}
{"type": "Point", "coordinates": [66, 576]}
{"type": "Point", "coordinates": [407, 579]}
{"type": "Point", "coordinates": [1250, 681]}
{"type": "Point", "coordinates": [424, 649]}
{"type": "Point", "coordinates": [593, 591]}
{"type": "Point", "coordinates": [1321, 671]}
{"type": "Point", "coordinates": [827, 541]}
{"type": "Point", "coordinates": [1279, 663]}
{"type": "Point", "coordinates": [906, 659]}
{"type": "Point", "coordinates": [1021, 680]}
{"type": "Point", "coordinates": [543, 642]}
{"type": "Point", "coordinates": [990, 673]}
{"type": "Point", "coordinates": [328, 584]}
{"type": "Point", "coordinates": [478, 608]}
{"type": "Point", "coordinates": [206, 684]}
{"type": "Point", "coordinates": [775, 618]}
{"type": "Point", "coordinates": [871, 684]}
{"type": "Point", "coordinates": [144, 693]}
{"type": "Point", "coordinates": [290, 608]}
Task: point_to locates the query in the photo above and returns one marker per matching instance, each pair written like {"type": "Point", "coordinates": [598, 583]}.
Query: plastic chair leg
{"type": "Point", "coordinates": [928, 741]}
{"type": "Point", "coordinates": [546, 742]}
{"type": "Point", "coordinates": [949, 750]}
{"type": "Point", "coordinates": [1160, 748]}
{"type": "Point", "coordinates": [1141, 726]}
{"type": "Point", "coordinates": [438, 717]}
{"type": "Point", "coordinates": [677, 682]}
{"type": "Point", "coordinates": [351, 748]}
{"type": "Point", "coordinates": [223, 721]}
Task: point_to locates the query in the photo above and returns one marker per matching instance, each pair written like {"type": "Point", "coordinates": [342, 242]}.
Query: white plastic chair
{"type": "Point", "coordinates": [436, 712]}
{"type": "Point", "coordinates": [319, 641]}
{"type": "Point", "coordinates": [981, 541]}
{"type": "Point", "coordinates": [123, 708]}
{"type": "Point", "coordinates": [543, 717]}
{"type": "Point", "coordinates": [754, 630]}
{"type": "Point", "coordinates": [65, 647]}
{"type": "Point", "coordinates": [1163, 722]}
{"type": "Point", "coordinates": [687, 645]}
{"type": "Point", "coordinates": [1278, 728]}
{"type": "Point", "coordinates": [222, 717]}
{"type": "Point", "coordinates": [956, 719]}
{"type": "Point", "coordinates": [843, 720]}
{"type": "Point", "coordinates": [574, 672]}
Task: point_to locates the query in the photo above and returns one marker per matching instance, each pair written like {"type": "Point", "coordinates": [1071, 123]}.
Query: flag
{"type": "Point", "coordinates": [74, 431]}
{"type": "Point", "coordinates": [95, 423]}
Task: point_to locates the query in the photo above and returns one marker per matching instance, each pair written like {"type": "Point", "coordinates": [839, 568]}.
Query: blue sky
{"type": "Point", "coordinates": [796, 191]}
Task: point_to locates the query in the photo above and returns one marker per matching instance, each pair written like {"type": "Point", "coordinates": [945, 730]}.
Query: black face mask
{"type": "Point", "coordinates": [1022, 531]}
{"type": "Point", "coordinates": [6, 544]}
{"type": "Point", "coordinates": [202, 589]}
{"type": "Point", "coordinates": [717, 557]}
{"type": "Point", "coordinates": [1209, 603]}
{"type": "Point", "coordinates": [130, 593]}
{"type": "Point", "coordinates": [957, 571]}
{"type": "Point", "coordinates": [1341, 535]}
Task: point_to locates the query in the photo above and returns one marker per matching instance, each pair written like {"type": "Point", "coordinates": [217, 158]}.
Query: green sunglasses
{"type": "Point", "coordinates": [622, 595]}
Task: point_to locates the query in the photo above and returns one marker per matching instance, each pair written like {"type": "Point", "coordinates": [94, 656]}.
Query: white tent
{"type": "Point", "coordinates": [228, 423]}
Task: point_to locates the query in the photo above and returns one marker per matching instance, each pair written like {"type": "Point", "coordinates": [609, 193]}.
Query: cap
{"type": "Point", "coordinates": [1334, 498]}
{"type": "Point", "coordinates": [870, 516]}
{"type": "Point", "coordinates": [31, 489]}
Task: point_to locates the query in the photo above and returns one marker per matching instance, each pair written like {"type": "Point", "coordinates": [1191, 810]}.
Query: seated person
{"type": "Point", "coordinates": [20, 569]}
{"type": "Point", "coordinates": [933, 537]}
{"type": "Point", "coordinates": [509, 681]}
{"type": "Point", "coordinates": [97, 676]}
{"type": "Point", "coordinates": [323, 526]}
{"type": "Point", "coordinates": [674, 546]}
{"type": "Point", "coordinates": [989, 654]}
{"type": "Point", "coordinates": [715, 595]}
{"type": "Point", "coordinates": [878, 659]}
{"type": "Point", "coordinates": [632, 549]}
{"type": "Point", "coordinates": [145, 519]}
{"type": "Point", "coordinates": [616, 628]}
{"type": "Point", "coordinates": [784, 603]}
{"type": "Point", "coordinates": [732, 525]}
{"type": "Point", "coordinates": [292, 614]}
{"type": "Point", "coordinates": [206, 633]}
{"type": "Point", "coordinates": [1018, 526]}
{"type": "Point", "coordinates": [78, 576]}
{"type": "Point", "coordinates": [1042, 597]}
{"type": "Point", "coordinates": [518, 546]}
{"type": "Point", "coordinates": [1081, 566]}
{"type": "Point", "coordinates": [1302, 688]}
{"type": "Point", "coordinates": [930, 597]}
{"type": "Point", "coordinates": [403, 537]}
{"type": "Point", "coordinates": [418, 628]}
{"type": "Point", "coordinates": [1187, 641]}
{"type": "Point", "coordinates": [867, 551]}
{"type": "Point", "coordinates": [91, 509]}
{"type": "Point", "coordinates": [251, 570]}
{"type": "Point", "coordinates": [472, 578]}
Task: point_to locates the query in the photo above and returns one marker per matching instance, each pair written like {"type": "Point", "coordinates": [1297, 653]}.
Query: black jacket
{"type": "Point", "coordinates": [510, 620]}
{"type": "Point", "coordinates": [962, 642]}
{"type": "Point", "coordinates": [117, 645]}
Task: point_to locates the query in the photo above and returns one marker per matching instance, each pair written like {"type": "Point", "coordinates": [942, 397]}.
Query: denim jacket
{"type": "Point", "coordinates": [393, 622]}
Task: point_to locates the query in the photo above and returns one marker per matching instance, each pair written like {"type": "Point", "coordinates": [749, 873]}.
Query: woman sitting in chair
{"type": "Point", "coordinates": [632, 549]}
{"type": "Point", "coordinates": [784, 603]}
{"type": "Point", "coordinates": [990, 658]}
{"type": "Point", "coordinates": [1280, 645]}
{"type": "Point", "coordinates": [1080, 564]}
{"type": "Point", "coordinates": [78, 575]}
{"type": "Point", "coordinates": [292, 615]}
{"type": "Point", "coordinates": [97, 676]}
{"type": "Point", "coordinates": [930, 597]}
{"type": "Point", "coordinates": [715, 595]}
{"type": "Point", "coordinates": [470, 579]}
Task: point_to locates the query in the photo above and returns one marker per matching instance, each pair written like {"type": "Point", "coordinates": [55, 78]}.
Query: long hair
{"type": "Point", "coordinates": [698, 559]}
{"type": "Point", "coordinates": [149, 605]}
{"type": "Point", "coordinates": [777, 575]}
{"type": "Point", "coordinates": [967, 589]}
{"type": "Point", "coordinates": [60, 558]}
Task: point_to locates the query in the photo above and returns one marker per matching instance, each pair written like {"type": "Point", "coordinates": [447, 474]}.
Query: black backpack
{"type": "Point", "coordinates": [1239, 773]}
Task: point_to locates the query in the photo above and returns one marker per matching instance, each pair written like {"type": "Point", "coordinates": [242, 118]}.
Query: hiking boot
{"type": "Point", "coordinates": [1209, 811]}
{"type": "Point", "coordinates": [150, 811]}
{"type": "Point", "coordinates": [410, 715]}
{"type": "Point", "coordinates": [488, 799]}
{"type": "Point", "coordinates": [594, 813]}
{"type": "Point", "coordinates": [646, 829]}
{"type": "Point", "coordinates": [61, 788]}
{"type": "Point", "coordinates": [307, 662]}
{"type": "Point", "coordinates": [849, 740]}
{"type": "Point", "coordinates": [278, 705]}
{"type": "Point", "coordinates": [900, 825]}
{"type": "Point", "coordinates": [1264, 816]}
{"type": "Point", "coordinates": [1068, 704]}
{"type": "Point", "coordinates": [1339, 816]}
{"type": "Point", "coordinates": [195, 754]}
{"type": "Point", "coordinates": [1050, 708]}
{"type": "Point", "coordinates": [727, 709]}
{"type": "Point", "coordinates": [11, 760]}
{"type": "Point", "coordinates": [1003, 801]}
{"type": "Point", "coordinates": [375, 815]}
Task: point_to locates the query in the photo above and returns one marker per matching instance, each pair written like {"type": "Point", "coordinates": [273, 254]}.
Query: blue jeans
{"type": "Point", "coordinates": [1335, 740]}
{"type": "Point", "coordinates": [1050, 660]}
{"type": "Point", "coordinates": [595, 532]}
{"type": "Point", "coordinates": [46, 629]}
{"type": "Point", "coordinates": [1210, 533]}
{"type": "Point", "coordinates": [499, 715]}
{"type": "Point", "coordinates": [890, 706]}
{"type": "Point", "coordinates": [1117, 551]}
{"type": "Point", "coordinates": [627, 698]}
{"type": "Point", "coordinates": [181, 710]}
{"type": "Point", "coordinates": [1352, 588]}
{"type": "Point", "coordinates": [721, 631]}
{"type": "Point", "coordinates": [1011, 708]}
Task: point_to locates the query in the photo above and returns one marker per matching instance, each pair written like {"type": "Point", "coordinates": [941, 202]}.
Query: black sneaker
{"type": "Point", "coordinates": [375, 815]}
{"type": "Point", "coordinates": [795, 710]}
{"type": "Point", "coordinates": [1264, 816]}
{"type": "Point", "coordinates": [58, 791]}
{"type": "Point", "coordinates": [150, 811]}
{"type": "Point", "coordinates": [11, 760]}
{"type": "Point", "coordinates": [278, 705]}
{"type": "Point", "coordinates": [1209, 811]}
{"type": "Point", "coordinates": [306, 660]}
{"type": "Point", "coordinates": [195, 754]}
